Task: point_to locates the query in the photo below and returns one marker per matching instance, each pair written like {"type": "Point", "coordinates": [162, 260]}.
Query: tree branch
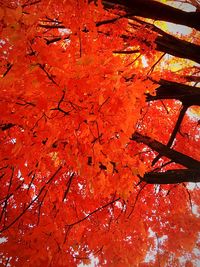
{"type": "Point", "coordinates": [155, 10]}
{"type": "Point", "coordinates": [188, 95]}
{"type": "Point", "coordinates": [172, 176]}
{"type": "Point", "coordinates": [31, 202]}
{"type": "Point", "coordinates": [163, 150]}
{"type": "Point", "coordinates": [177, 47]}
{"type": "Point", "coordinates": [174, 132]}
{"type": "Point", "coordinates": [170, 44]}
{"type": "Point", "coordinates": [93, 212]}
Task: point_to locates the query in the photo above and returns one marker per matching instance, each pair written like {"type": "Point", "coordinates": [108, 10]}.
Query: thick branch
{"type": "Point", "coordinates": [170, 44]}
{"type": "Point", "coordinates": [177, 126]}
{"type": "Point", "coordinates": [6, 126]}
{"type": "Point", "coordinates": [172, 176]}
{"type": "Point", "coordinates": [155, 10]}
{"type": "Point", "coordinates": [192, 78]}
{"type": "Point", "coordinates": [188, 95]}
{"type": "Point", "coordinates": [177, 47]}
{"type": "Point", "coordinates": [165, 42]}
{"type": "Point", "coordinates": [163, 150]}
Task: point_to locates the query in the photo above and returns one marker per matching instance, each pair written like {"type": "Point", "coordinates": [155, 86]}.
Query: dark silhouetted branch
{"type": "Point", "coordinates": [163, 150]}
{"type": "Point", "coordinates": [159, 11]}
{"type": "Point", "coordinates": [188, 95]}
{"type": "Point", "coordinates": [172, 176]}
{"type": "Point", "coordinates": [174, 132]}
{"type": "Point", "coordinates": [93, 212]}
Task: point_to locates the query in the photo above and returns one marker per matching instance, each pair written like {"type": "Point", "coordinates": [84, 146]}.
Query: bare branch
{"type": "Point", "coordinates": [31, 203]}
{"type": "Point", "coordinates": [172, 176]}
{"type": "Point", "coordinates": [167, 152]}
{"type": "Point", "coordinates": [93, 212]}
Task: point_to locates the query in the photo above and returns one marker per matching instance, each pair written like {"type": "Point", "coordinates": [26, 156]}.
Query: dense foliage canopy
{"type": "Point", "coordinates": [99, 133]}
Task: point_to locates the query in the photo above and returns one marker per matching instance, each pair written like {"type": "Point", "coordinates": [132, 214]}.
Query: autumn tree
{"type": "Point", "coordinates": [99, 133]}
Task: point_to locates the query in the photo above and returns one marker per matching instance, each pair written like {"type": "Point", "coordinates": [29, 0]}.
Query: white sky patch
{"type": "Point", "coordinates": [191, 186]}
{"type": "Point", "coordinates": [155, 250]}
{"type": "Point", "coordinates": [183, 259]}
{"type": "Point", "coordinates": [157, 189]}
{"type": "Point", "coordinates": [151, 253]}
{"type": "Point", "coordinates": [80, 186]}
{"type": "Point", "coordinates": [19, 174]}
{"type": "Point", "coordinates": [64, 31]}
{"type": "Point", "coordinates": [162, 239]}
{"type": "Point", "coordinates": [94, 262]}
{"type": "Point", "coordinates": [128, 239]}
{"type": "Point", "coordinates": [3, 240]}
{"type": "Point", "coordinates": [2, 42]}
{"type": "Point", "coordinates": [193, 115]}
{"type": "Point", "coordinates": [144, 61]}
{"type": "Point", "coordinates": [196, 252]}
{"type": "Point", "coordinates": [13, 141]}
{"type": "Point", "coordinates": [180, 29]}
{"type": "Point", "coordinates": [25, 186]}
{"type": "Point", "coordinates": [195, 210]}
{"type": "Point", "coordinates": [119, 205]}
{"type": "Point", "coordinates": [187, 257]}
{"type": "Point", "coordinates": [183, 6]}
{"type": "Point", "coordinates": [67, 42]}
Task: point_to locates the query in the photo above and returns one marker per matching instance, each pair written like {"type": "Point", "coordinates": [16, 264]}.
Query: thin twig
{"type": "Point", "coordinates": [93, 212]}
